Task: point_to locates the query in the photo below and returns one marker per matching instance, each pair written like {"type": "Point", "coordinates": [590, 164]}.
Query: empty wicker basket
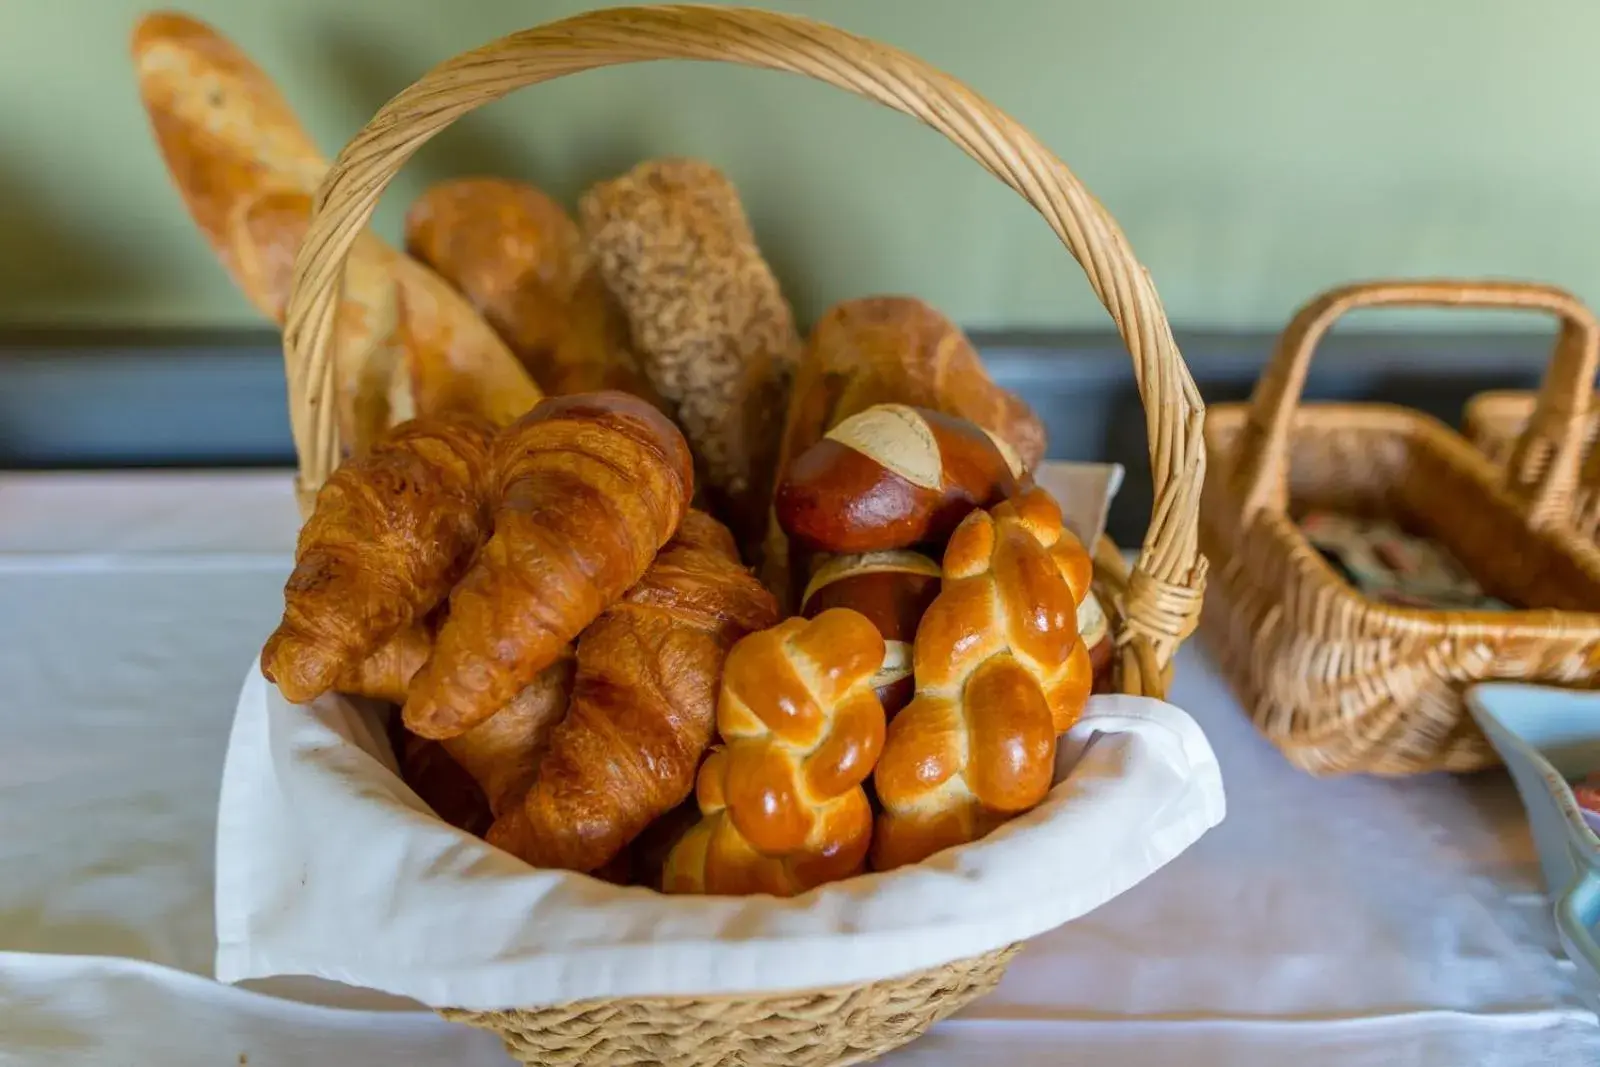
{"type": "Point", "coordinates": [1154, 610]}
{"type": "Point", "coordinates": [1344, 683]}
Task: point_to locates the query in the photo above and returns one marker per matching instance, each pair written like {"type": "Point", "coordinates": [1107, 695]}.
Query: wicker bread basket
{"type": "Point", "coordinates": [1494, 420]}
{"type": "Point", "coordinates": [1342, 683]}
{"type": "Point", "coordinates": [1152, 609]}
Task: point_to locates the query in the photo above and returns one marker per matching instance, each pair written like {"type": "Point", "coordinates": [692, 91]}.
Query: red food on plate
{"type": "Point", "coordinates": [1588, 794]}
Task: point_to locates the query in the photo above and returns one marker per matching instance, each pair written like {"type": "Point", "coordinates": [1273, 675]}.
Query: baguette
{"type": "Point", "coordinates": [406, 344]}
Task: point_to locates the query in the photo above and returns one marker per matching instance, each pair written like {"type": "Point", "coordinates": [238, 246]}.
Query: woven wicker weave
{"type": "Point", "coordinates": [823, 1029]}
{"type": "Point", "coordinates": [1339, 682]}
{"type": "Point", "coordinates": [1493, 421]}
{"type": "Point", "coordinates": [1155, 606]}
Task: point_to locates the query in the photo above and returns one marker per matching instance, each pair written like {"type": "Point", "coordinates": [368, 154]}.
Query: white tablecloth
{"type": "Point", "coordinates": [1339, 923]}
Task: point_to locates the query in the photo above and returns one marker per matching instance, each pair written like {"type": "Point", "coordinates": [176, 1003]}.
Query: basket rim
{"type": "Point", "coordinates": [1431, 434]}
{"type": "Point", "coordinates": [1002, 955]}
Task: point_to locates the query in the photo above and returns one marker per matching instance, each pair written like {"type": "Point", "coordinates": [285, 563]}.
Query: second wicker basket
{"type": "Point", "coordinates": [1342, 682]}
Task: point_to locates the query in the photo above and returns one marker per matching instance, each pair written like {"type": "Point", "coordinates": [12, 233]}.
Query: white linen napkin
{"type": "Point", "coordinates": [328, 865]}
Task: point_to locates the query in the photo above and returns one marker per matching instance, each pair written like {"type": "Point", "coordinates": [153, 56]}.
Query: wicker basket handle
{"type": "Point", "coordinates": [1163, 598]}
{"type": "Point", "coordinates": [1543, 467]}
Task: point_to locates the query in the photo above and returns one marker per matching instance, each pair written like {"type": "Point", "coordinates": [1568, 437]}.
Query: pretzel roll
{"type": "Point", "coordinates": [1096, 631]}
{"type": "Point", "coordinates": [782, 806]}
{"type": "Point", "coordinates": [1001, 670]}
{"type": "Point", "coordinates": [892, 589]}
{"type": "Point", "coordinates": [892, 476]}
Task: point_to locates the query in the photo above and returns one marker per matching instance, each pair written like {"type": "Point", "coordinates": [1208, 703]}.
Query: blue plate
{"type": "Point", "coordinates": [1548, 737]}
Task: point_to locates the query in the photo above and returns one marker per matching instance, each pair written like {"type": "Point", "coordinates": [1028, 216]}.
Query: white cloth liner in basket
{"type": "Point", "coordinates": [328, 865]}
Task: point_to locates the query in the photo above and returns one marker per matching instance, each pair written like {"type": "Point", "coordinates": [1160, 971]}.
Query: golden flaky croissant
{"type": "Point", "coordinates": [387, 671]}
{"type": "Point", "coordinates": [502, 752]}
{"type": "Point", "coordinates": [439, 781]}
{"type": "Point", "coordinates": [392, 531]}
{"type": "Point", "coordinates": [1001, 670]}
{"type": "Point", "coordinates": [589, 488]}
{"type": "Point", "coordinates": [643, 708]}
{"type": "Point", "coordinates": [783, 806]}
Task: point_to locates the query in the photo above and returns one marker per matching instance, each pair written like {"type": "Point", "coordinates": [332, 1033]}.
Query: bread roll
{"type": "Point", "coordinates": [893, 590]}
{"type": "Point", "coordinates": [782, 806]}
{"type": "Point", "coordinates": [1001, 670]}
{"type": "Point", "coordinates": [889, 350]}
{"type": "Point", "coordinates": [518, 257]}
{"type": "Point", "coordinates": [891, 477]}
{"type": "Point", "coordinates": [709, 325]}
{"type": "Point", "coordinates": [899, 350]}
{"type": "Point", "coordinates": [1096, 631]}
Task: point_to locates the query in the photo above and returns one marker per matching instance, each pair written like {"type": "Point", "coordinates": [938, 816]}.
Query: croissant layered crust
{"type": "Point", "coordinates": [588, 489]}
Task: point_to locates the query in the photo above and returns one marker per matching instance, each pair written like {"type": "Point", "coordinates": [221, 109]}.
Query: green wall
{"type": "Point", "coordinates": [1254, 150]}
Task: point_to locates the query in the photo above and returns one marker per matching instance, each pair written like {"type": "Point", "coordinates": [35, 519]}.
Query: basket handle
{"type": "Point", "coordinates": [1163, 598]}
{"type": "Point", "coordinates": [1543, 467]}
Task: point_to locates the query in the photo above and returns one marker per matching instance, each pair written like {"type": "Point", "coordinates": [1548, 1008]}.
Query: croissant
{"type": "Point", "coordinates": [589, 487]}
{"type": "Point", "coordinates": [502, 752]}
{"type": "Point", "coordinates": [782, 804]}
{"type": "Point", "coordinates": [643, 707]}
{"type": "Point", "coordinates": [392, 530]}
{"type": "Point", "coordinates": [1000, 669]}
{"type": "Point", "coordinates": [387, 672]}
{"type": "Point", "coordinates": [439, 781]}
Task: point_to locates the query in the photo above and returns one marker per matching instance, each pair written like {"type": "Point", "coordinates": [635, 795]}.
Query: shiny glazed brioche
{"type": "Point", "coordinates": [391, 532]}
{"type": "Point", "coordinates": [782, 803]}
{"type": "Point", "coordinates": [709, 325]}
{"type": "Point", "coordinates": [643, 707]}
{"type": "Point", "coordinates": [1001, 670]}
{"type": "Point", "coordinates": [588, 489]}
